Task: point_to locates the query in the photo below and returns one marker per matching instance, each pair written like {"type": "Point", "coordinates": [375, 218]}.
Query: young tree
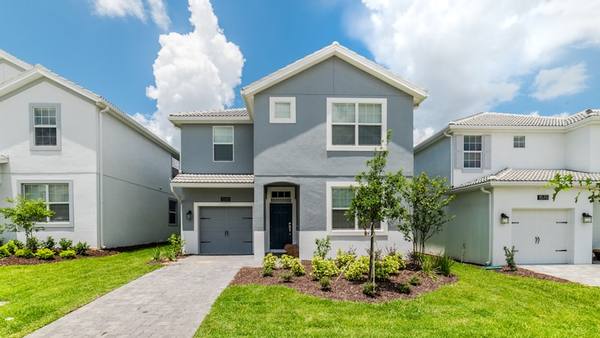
{"type": "Point", "coordinates": [565, 182]}
{"type": "Point", "coordinates": [377, 198]}
{"type": "Point", "coordinates": [25, 214]}
{"type": "Point", "coordinates": [428, 199]}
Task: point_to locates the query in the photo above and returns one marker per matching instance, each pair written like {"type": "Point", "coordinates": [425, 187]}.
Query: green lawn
{"type": "Point", "coordinates": [481, 303]}
{"type": "Point", "coordinates": [40, 294]}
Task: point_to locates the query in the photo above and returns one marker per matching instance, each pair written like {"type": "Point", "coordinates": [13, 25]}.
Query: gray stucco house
{"type": "Point", "coordinates": [279, 170]}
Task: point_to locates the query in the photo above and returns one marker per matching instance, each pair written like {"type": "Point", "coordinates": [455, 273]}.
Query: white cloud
{"type": "Point", "coordinates": [559, 81]}
{"type": "Point", "coordinates": [135, 8]}
{"type": "Point", "coordinates": [194, 71]}
{"type": "Point", "coordinates": [472, 55]}
{"type": "Point", "coordinates": [420, 135]}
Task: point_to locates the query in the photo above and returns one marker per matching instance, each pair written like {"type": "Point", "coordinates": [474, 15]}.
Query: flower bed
{"type": "Point", "coordinates": [35, 251]}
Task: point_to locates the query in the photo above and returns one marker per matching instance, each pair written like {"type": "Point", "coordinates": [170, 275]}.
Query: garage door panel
{"type": "Point", "coordinates": [541, 236]}
{"type": "Point", "coordinates": [225, 230]}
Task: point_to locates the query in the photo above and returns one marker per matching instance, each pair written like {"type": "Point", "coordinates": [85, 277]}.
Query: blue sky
{"type": "Point", "coordinates": [467, 66]}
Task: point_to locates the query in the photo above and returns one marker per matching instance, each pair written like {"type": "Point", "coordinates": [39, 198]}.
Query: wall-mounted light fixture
{"type": "Point", "coordinates": [504, 219]}
{"type": "Point", "coordinates": [188, 215]}
{"type": "Point", "coordinates": [586, 218]}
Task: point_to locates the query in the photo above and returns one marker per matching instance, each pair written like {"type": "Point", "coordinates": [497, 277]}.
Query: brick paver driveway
{"type": "Point", "coordinates": [169, 302]}
{"type": "Point", "coordinates": [587, 274]}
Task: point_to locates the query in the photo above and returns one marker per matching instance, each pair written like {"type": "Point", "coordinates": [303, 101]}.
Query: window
{"type": "Point", "coordinates": [519, 142]}
{"type": "Point", "coordinates": [356, 124]}
{"type": "Point", "coordinates": [340, 197]}
{"type": "Point", "coordinates": [223, 143]}
{"type": "Point", "coordinates": [45, 120]}
{"type": "Point", "coordinates": [172, 212]}
{"type": "Point", "coordinates": [55, 195]}
{"type": "Point", "coordinates": [472, 151]}
{"type": "Point", "coordinates": [282, 110]}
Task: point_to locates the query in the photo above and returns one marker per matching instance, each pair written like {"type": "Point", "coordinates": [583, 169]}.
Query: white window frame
{"type": "Point", "coordinates": [33, 126]}
{"type": "Point", "coordinates": [20, 185]}
{"type": "Point", "coordinates": [356, 102]}
{"type": "Point", "coordinates": [232, 143]}
{"type": "Point", "coordinates": [172, 212]}
{"type": "Point", "coordinates": [282, 99]}
{"type": "Point", "coordinates": [474, 152]}
{"type": "Point", "coordinates": [358, 230]}
{"type": "Point", "coordinates": [515, 142]}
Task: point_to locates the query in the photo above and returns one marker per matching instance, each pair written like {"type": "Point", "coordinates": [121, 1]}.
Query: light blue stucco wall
{"type": "Point", "coordinates": [197, 153]}
{"type": "Point", "coordinates": [435, 159]}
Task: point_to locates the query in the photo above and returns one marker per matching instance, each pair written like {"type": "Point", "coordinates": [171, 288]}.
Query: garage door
{"type": "Point", "coordinates": [225, 230]}
{"type": "Point", "coordinates": [541, 236]}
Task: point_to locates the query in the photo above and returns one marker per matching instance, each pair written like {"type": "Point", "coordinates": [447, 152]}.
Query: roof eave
{"type": "Point", "coordinates": [180, 120]}
{"type": "Point", "coordinates": [212, 185]}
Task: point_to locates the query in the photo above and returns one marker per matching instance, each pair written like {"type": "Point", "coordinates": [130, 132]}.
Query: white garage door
{"type": "Point", "coordinates": [541, 236]}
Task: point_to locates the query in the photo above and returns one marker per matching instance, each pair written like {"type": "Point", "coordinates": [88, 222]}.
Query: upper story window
{"type": "Point", "coordinates": [282, 110]}
{"type": "Point", "coordinates": [57, 197]}
{"type": "Point", "coordinates": [472, 151]}
{"type": "Point", "coordinates": [45, 126]}
{"type": "Point", "coordinates": [223, 143]}
{"type": "Point", "coordinates": [356, 124]}
{"type": "Point", "coordinates": [519, 142]}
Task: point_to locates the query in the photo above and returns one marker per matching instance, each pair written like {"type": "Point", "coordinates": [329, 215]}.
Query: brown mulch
{"type": "Point", "coordinates": [528, 273]}
{"type": "Point", "coordinates": [12, 260]}
{"type": "Point", "coordinates": [341, 289]}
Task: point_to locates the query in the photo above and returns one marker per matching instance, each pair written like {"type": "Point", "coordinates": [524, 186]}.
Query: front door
{"type": "Point", "coordinates": [280, 218]}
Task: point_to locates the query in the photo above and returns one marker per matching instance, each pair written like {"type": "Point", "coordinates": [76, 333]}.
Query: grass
{"type": "Point", "coordinates": [40, 294]}
{"type": "Point", "coordinates": [481, 303]}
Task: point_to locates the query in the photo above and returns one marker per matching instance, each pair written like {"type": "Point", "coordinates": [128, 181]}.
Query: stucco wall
{"type": "Point", "coordinates": [435, 160]}
{"type": "Point", "coordinates": [8, 70]}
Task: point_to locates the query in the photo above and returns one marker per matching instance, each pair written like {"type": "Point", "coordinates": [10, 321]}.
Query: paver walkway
{"type": "Point", "coordinates": [587, 274]}
{"type": "Point", "coordinates": [169, 302]}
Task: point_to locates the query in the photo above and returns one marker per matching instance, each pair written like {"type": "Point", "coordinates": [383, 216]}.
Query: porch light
{"type": "Point", "coordinates": [586, 218]}
{"type": "Point", "coordinates": [504, 219]}
{"type": "Point", "coordinates": [188, 215]}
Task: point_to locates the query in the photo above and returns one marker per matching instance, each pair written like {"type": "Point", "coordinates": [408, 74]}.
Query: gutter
{"type": "Point", "coordinates": [100, 161]}
{"type": "Point", "coordinates": [491, 225]}
{"type": "Point", "coordinates": [180, 202]}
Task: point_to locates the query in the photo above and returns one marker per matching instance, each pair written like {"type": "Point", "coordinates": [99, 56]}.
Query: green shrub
{"type": "Point", "coordinates": [13, 245]}
{"type": "Point", "coordinates": [24, 253]}
{"type": "Point", "coordinates": [157, 254]}
{"type": "Point", "coordinates": [323, 246]}
{"type": "Point", "coordinates": [414, 281]}
{"type": "Point", "coordinates": [403, 288]}
{"type": "Point", "coordinates": [428, 265]}
{"type": "Point", "coordinates": [369, 289]}
{"type": "Point", "coordinates": [49, 243]}
{"type": "Point", "coordinates": [510, 258]}
{"type": "Point", "coordinates": [323, 268]}
{"type": "Point", "coordinates": [357, 270]}
{"type": "Point", "coordinates": [297, 268]}
{"type": "Point", "coordinates": [45, 254]}
{"type": "Point", "coordinates": [68, 254]}
{"type": "Point", "coordinates": [286, 261]}
{"type": "Point", "coordinates": [33, 244]}
{"type": "Point", "coordinates": [267, 271]}
{"type": "Point", "coordinates": [65, 244]}
{"type": "Point", "coordinates": [286, 276]}
{"type": "Point", "coordinates": [176, 244]}
{"type": "Point", "coordinates": [344, 258]}
{"type": "Point", "coordinates": [389, 265]}
{"type": "Point", "coordinates": [325, 283]}
{"type": "Point", "coordinates": [443, 265]}
{"type": "Point", "coordinates": [4, 252]}
{"type": "Point", "coordinates": [270, 261]}
{"type": "Point", "coordinates": [81, 248]}
{"type": "Point", "coordinates": [170, 254]}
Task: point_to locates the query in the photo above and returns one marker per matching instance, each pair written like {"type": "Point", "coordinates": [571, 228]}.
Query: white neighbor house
{"type": "Point", "coordinates": [499, 165]}
{"type": "Point", "coordinates": [105, 176]}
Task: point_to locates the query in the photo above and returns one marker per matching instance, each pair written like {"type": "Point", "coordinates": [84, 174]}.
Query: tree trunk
{"type": "Point", "coordinates": [372, 255]}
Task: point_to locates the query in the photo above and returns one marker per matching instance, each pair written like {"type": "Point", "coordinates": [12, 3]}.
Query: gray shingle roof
{"type": "Point", "coordinates": [491, 119]}
{"type": "Point", "coordinates": [529, 175]}
{"type": "Point", "coordinates": [221, 114]}
{"type": "Point", "coordinates": [213, 178]}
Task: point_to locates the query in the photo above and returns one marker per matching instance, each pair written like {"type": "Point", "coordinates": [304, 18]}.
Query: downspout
{"type": "Point", "coordinates": [101, 179]}
{"type": "Point", "coordinates": [451, 159]}
{"type": "Point", "coordinates": [491, 226]}
{"type": "Point", "coordinates": [179, 201]}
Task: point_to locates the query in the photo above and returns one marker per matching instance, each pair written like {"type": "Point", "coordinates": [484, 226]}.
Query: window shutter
{"type": "Point", "coordinates": [487, 151]}
{"type": "Point", "coordinates": [459, 155]}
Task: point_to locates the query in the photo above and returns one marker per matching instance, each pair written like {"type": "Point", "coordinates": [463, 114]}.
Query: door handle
{"type": "Point", "coordinates": [226, 233]}
{"type": "Point", "coordinates": [563, 250]}
{"type": "Point", "coordinates": [290, 227]}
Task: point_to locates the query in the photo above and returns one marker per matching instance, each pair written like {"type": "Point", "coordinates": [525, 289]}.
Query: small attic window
{"type": "Point", "coordinates": [282, 110]}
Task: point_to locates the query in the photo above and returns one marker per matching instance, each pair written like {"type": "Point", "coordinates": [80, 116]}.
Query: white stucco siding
{"type": "Point", "coordinates": [8, 70]}
{"type": "Point", "coordinates": [507, 199]}
{"type": "Point", "coordinates": [135, 187]}
{"type": "Point", "coordinates": [578, 149]}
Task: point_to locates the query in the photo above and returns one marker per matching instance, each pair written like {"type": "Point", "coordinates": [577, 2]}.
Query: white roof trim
{"type": "Point", "coordinates": [179, 120]}
{"type": "Point", "coordinates": [335, 49]}
{"type": "Point", "coordinates": [14, 60]}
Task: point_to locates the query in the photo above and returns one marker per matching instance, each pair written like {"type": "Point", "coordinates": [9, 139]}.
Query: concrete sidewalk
{"type": "Point", "coordinates": [586, 274]}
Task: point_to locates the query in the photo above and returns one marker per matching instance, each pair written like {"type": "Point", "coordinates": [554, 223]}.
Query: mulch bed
{"type": "Point", "coordinates": [12, 260]}
{"type": "Point", "coordinates": [341, 289]}
{"type": "Point", "coordinates": [528, 273]}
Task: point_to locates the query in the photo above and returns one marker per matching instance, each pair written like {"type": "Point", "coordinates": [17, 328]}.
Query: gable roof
{"type": "Point", "coordinates": [334, 49]}
{"type": "Point", "coordinates": [233, 115]}
{"type": "Point", "coordinates": [40, 72]}
{"type": "Point", "coordinates": [14, 60]}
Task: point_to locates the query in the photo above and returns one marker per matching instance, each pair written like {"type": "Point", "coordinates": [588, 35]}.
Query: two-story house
{"type": "Point", "coordinates": [499, 166]}
{"type": "Point", "coordinates": [104, 175]}
{"type": "Point", "coordinates": [279, 170]}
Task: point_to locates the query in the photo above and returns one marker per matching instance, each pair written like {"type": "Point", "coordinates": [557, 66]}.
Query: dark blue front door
{"type": "Point", "coordinates": [280, 217]}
